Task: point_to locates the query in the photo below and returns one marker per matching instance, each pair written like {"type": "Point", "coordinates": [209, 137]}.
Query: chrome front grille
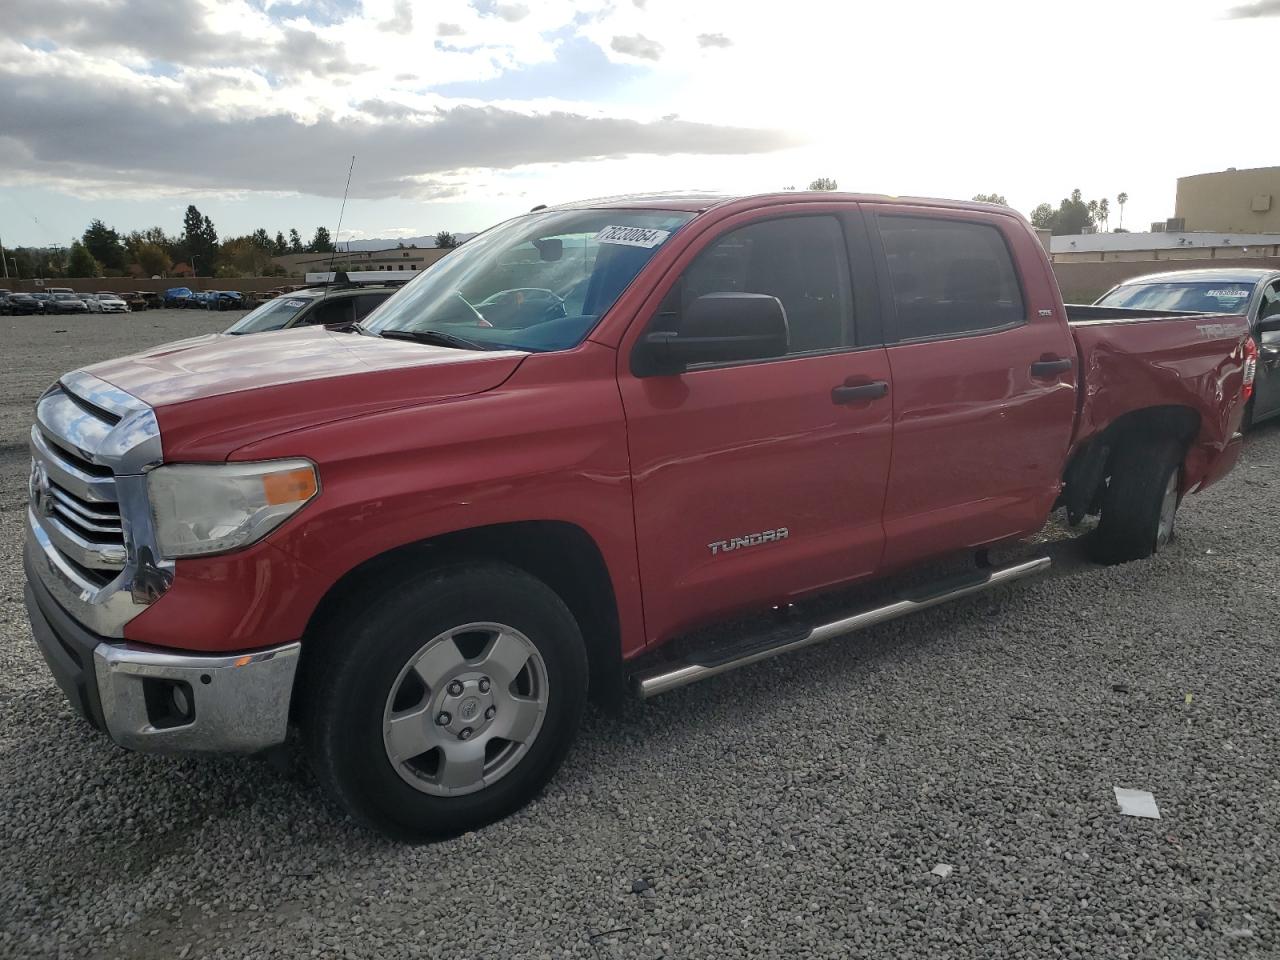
{"type": "Point", "coordinates": [79, 509]}
{"type": "Point", "coordinates": [90, 528]}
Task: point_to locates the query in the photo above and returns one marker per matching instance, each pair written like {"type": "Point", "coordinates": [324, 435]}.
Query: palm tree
{"type": "Point", "coordinates": [1122, 200]}
{"type": "Point", "coordinates": [1104, 213]}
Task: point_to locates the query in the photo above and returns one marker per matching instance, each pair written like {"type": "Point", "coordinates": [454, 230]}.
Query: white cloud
{"type": "Point", "coordinates": [928, 96]}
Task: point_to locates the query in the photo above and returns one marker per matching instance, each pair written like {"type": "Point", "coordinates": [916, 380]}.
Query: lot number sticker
{"type": "Point", "coordinates": [632, 236]}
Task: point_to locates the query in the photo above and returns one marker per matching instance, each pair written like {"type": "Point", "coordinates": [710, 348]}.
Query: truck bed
{"type": "Point", "coordinates": [1136, 360]}
{"type": "Point", "coordinates": [1088, 313]}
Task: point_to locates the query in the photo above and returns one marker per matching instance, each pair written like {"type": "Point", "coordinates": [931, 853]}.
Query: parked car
{"type": "Point", "coordinates": [1249, 292]}
{"type": "Point", "coordinates": [256, 298]}
{"type": "Point", "coordinates": [133, 300]}
{"type": "Point", "coordinates": [417, 536]}
{"type": "Point", "coordinates": [153, 300]}
{"type": "Point", "coordinates": [177, 296]}
{"type": "Point", "coordinates": [53, 290]}
{"type": "Point", "coordinates": [91, 302]}
{"type": "Point", "coordinates": [222, 300]}
{"type": "Point", "coordinates": [110, 302]}
{"type": "Point", "coordinates": [4, 295]}
{"type": "Point", "coordinates": [44, 299]}
{"type": "Point", "coordinates": [22, 304]}
{"type": "Point", "coordinates": [312, 306]}
{"type": "Point", "coordinates": [66, 303]}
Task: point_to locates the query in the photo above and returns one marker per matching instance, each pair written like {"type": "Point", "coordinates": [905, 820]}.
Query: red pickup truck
{"type": "Point", "coordinates": [589, 431]}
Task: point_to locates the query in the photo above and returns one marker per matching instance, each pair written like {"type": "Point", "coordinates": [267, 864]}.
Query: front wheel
{"type": "Point", "coordinates": [446, 702]}
{"type": "Point", "coordinates": [1140, 503]}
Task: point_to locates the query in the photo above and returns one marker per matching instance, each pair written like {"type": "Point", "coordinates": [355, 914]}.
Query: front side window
{"type": "Point", "coordinates": [366, 302]}
{"type": "Point", "coordinates": [800, 260]}
{"type": "Point", "coordinates": [337, 310]}
{"type": "Point", "coordinates": [949, 277]}
{"type": "Point", "coordinates": [540, 282]}
{"type": "Point", "coordinates": [1270, 302]}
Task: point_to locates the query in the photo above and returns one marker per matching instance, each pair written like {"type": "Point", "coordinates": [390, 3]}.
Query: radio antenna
{"type": "Point", "coordinates": [333, 241]}
{"type": "Point", "coordinates": [341, 213]}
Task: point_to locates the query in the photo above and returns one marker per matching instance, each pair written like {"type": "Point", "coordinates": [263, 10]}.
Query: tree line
{"type": "Point", "coordinates": [1073, 214]}
{"type": "Point", "coordinates": [102, 251]}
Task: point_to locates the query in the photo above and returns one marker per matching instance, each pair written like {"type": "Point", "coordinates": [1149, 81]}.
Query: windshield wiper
{"type": "Point", "coordinates": [432, 336]}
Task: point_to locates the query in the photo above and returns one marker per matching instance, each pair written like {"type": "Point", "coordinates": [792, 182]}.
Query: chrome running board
{"type": "Point", "coordinates": [695, 668]}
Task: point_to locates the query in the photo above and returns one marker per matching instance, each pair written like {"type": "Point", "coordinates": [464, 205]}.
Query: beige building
{"type": "Point", "coordinates": [1232, 201]}
{"type": "Point", "coordinates": [398, 259]}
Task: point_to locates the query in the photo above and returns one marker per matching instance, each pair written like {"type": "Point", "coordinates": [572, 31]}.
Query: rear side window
{"type": "Point", "coordinates": [949, 277]}
{"type": "Point", "coordinates": [800, 260]}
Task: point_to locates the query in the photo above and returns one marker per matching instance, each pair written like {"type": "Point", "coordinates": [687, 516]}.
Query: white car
{"type": "Point", "coordinates": [104, 301]}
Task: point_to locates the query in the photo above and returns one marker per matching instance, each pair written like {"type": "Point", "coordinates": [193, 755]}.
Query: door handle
{"type": "Point", "coordinates": [1050, 366]}
{"type": "Point", "coordinates": [859, 392]}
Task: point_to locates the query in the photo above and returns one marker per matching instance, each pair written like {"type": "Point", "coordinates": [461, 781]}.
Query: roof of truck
{"type": "Point", "coordinates": [696, 201]}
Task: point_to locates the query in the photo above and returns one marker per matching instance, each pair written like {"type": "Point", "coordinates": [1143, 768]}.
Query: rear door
{"type": "Point", "coordinates": [755, 482]}
{"type": "Point", "coordinates": [984, 377]}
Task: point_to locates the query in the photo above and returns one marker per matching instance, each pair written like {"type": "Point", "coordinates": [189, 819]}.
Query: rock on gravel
{"type": "Point", "coordinates": [794, 808]}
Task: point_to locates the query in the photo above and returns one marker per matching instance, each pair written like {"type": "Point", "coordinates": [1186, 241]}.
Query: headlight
{"type": "Point", "coordinates": [213, 508]}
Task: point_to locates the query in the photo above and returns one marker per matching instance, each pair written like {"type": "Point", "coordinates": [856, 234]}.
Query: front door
{"type": "Point", "coordinates": [983, 381]}
{"type": "Point", "coordinates": [1266, 383]}
{"type": "Point", "coordinates": [754, 482]}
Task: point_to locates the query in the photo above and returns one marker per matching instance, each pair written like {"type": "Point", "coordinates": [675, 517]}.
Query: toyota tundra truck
{"type": "Point", "coordinates": [591, 431]}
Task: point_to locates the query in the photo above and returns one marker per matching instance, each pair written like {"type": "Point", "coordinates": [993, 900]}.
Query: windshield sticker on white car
{"type": "Point", "coordinates": [1228, 294]}
{"type": "Point", "coordinates": [632, 236]}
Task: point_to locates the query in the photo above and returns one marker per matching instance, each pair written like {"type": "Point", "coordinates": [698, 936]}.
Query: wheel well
{"type": "Point", "coordinates": [561, 555]}
{"type": "Point", "coordinates": [1086, 474]}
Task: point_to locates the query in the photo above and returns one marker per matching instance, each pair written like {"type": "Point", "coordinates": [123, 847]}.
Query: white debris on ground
{"type": "Point", "coordinates": [1137, 803]}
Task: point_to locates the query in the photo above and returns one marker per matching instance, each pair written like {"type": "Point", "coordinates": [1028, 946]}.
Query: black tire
{"type": "Point", "coordinates": [1135, 499]}
{"type": "Point", "coordinates": [361, 654]}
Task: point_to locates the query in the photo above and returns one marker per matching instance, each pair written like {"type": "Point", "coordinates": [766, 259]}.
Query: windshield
{"type": "Point", "coordinates": [538, 283]}
{"type": "Point", "coordinates": [272, 315]}
{"type": "Point", "coordinates": [1203, 296]}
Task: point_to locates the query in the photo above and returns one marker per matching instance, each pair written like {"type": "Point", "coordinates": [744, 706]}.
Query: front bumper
{"type": "Point", "coordinates": [161, 702]}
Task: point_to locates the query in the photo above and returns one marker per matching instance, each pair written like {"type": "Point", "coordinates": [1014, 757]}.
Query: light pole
{"type": "Point", "coordinates": [3, 262]}
{"type": "Point", "coordinates": [16, 275]}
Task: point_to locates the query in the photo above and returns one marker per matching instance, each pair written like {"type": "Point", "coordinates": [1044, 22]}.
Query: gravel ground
{"type": "Point", "coordinates": [794, 808]}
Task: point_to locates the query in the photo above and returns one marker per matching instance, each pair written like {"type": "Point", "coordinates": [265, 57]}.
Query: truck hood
{"type": "Point", "coordinates": [214, 393]}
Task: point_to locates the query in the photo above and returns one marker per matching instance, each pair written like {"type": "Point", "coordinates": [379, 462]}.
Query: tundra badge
{"type": "Point", "coordinates": [750, 540]}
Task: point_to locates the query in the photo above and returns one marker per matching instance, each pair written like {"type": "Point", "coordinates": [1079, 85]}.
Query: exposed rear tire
{"type": "Point", "coordinates": [406, 710]}
{"type": "Point", "coordinates": [1140, 502]}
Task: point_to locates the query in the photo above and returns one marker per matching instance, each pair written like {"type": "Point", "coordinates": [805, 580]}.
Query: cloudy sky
{"type": "Point", "coordinates": [462, 112]}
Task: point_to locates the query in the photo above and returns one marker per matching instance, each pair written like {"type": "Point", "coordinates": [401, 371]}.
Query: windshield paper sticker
{"type": "Point", "coordinates": [632, 236]}
{"type": "Point", "coordinates": [295, 303]}
{"type": "Point", "coordinates": [1228, 294]}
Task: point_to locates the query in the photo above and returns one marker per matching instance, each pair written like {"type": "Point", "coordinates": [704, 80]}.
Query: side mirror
{"type": "Point", "coordinates": [717, 328]}
{"type": "Point", "coordinates": [1270, 324]}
